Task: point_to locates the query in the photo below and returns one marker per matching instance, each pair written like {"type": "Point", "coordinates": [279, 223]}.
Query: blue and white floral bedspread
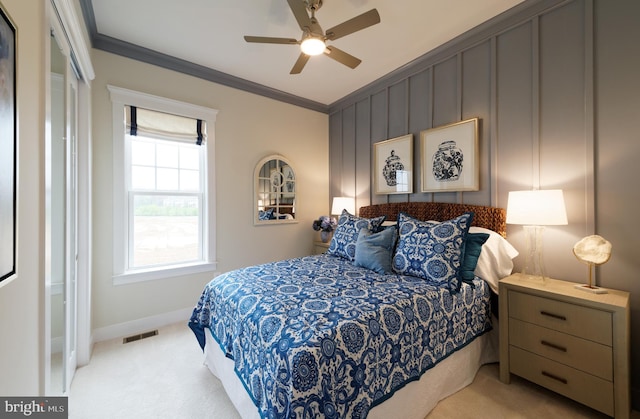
{"type": "Point", "coordinates": [319, 337]}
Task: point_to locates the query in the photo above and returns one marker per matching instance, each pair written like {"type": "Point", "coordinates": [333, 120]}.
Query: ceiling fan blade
{"type": "Point", "coordinates": [300, 63]}
{"type": "Point", "coordinates": [270, 40]}
{"type": "Point", "coordinates": [342, 57]}
{"type": "Point", "coordinates": [360, 22]}
{"type": "Point", "coordinates": [300, 12]}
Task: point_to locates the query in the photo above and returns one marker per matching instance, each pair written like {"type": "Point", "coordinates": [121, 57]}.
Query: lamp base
{"type": "Point", "coordinates": [533, 264]}
{"type": "Point", "coordinates": [590, 288]}
{"type": "Point", "coordinates": [532, 276]}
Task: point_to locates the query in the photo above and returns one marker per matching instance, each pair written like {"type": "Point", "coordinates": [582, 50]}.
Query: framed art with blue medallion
{"type": "Point", "coordinates": [393, 165]}
{"type": "Point", "coordinates": [449, 157]}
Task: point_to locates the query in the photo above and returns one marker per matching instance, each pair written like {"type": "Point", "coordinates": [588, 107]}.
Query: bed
{"type": "Point", "coordinates": [384, 322]}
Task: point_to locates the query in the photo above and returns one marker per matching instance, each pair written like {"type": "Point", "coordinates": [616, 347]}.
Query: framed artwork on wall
{"type": "Point", "coordinates": [393, 165]}
{"type": "Point", "coordinates": [449, 157]}
{"type": "Point", "coordinates": [7, 148]}
{"type": "Point", "coordinates": [289, 186]}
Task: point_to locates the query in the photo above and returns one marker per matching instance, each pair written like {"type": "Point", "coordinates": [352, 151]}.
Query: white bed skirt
{"type": "Point", "coordinates": [415, 400]}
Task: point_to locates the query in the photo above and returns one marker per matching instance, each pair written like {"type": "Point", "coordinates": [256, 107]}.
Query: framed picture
{"type": "Point", "coordinates": [449, 157]}
{"type": "Point", "coordinates": [7, 148]}
{"type": "Point", "coordinates": [393, 165]}
{"type": "Point", "coordinates": [276, 181]}
{"type": "Point", "coordinates": [289, 186]}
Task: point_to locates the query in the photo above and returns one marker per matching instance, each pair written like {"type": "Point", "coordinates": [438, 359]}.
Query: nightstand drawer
{"type": "Point", "coordinates": [583, 322]}
{"type": "Point", "coordinates": [585, 355]}
{"type": "Point", "coordinates": [582, 387]}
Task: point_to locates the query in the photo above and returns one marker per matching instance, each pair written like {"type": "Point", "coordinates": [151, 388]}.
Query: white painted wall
{"type": "Point", "coordinates": [21, 299]}
{"type": "Point", "coordinates": [248, 127]}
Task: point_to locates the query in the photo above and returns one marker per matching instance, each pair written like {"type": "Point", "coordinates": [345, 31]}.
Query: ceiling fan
{"type": "Point", "coordinates": [313, 41]}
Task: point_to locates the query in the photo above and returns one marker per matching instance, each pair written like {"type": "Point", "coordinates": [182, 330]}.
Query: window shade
{"type": "Point", "coordinates": [160, 125]}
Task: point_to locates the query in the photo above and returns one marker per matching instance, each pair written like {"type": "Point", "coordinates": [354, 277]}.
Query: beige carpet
{"type": "Point", "coordinates": [163, 377]}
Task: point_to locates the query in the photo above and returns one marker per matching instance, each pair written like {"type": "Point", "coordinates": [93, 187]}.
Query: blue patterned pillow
{"type": "Point", "coordinates": [374, 250]}
{"type": "Point", "coordinates": [432, 251]}
{"type": "Point", "coordinates": [266, 215]}
{"type": "Point", "coordinates": [345, 236]}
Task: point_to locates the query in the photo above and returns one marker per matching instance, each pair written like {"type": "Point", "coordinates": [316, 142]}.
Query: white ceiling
{"type": "Point", "coordinates": [210, 33]}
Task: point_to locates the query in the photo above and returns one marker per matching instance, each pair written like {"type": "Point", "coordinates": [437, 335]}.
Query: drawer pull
{"type": "Point", "coordinates": [554, 377]}
{"type": "Point", "coordinates": [555, 316]}
{"type": "Point", "coordinates": [553, 346]}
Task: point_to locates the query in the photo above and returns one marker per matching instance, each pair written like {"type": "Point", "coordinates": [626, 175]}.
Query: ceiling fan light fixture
{"type": "Point", "coordinates": [313, 46]}
{"type": "Point", "coordinates": [313, 41]}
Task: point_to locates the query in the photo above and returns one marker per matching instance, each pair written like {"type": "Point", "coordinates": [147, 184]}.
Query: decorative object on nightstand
{"type": "Point", "coordinates": [325, 225]}
{"type": "Point", "coordinates": [534, 210]}
{"type": "Point", "coordinates": [592, 250]}
{"type": "Point", "coordinates": [571, 342]}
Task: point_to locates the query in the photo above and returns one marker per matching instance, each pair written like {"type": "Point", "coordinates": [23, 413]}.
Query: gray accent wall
{"type": "Point", "coordinates": [555, 85]}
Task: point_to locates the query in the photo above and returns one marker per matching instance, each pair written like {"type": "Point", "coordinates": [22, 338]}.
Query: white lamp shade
{"type": "Point", "coordinates": [343, 202]}
{"type": "Point", "coordinates": [537, 207]}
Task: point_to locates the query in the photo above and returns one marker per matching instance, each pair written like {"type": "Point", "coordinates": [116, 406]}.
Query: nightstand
{"type": "Point", "coordinates": [567, 340]}
{"type": "Point", "coordinates": [320, 247]}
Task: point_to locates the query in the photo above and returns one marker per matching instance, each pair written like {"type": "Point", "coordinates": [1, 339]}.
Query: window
{"type": "Point", "coordinates": [165, 201]}
{"type": "Point", "coordinates": [164, 206]}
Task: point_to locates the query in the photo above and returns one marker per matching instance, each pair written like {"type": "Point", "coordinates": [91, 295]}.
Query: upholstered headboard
{"type": "Point", "coordinates": [281, 210]}
{"type": "Point", "coordinates": [492, 218]}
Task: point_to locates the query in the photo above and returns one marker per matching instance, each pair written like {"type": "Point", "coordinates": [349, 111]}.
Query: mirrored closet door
{"type": "Point", "coordinates": [61, 215]}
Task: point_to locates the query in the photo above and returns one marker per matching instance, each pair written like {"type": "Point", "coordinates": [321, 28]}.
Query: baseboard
{"type": "Point", "coordinates": [141, 325]}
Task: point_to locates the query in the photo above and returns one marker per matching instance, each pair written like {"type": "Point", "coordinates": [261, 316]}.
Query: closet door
{"type": "Point", "coordinates": [55, 173]}
{"type": "Point", "coordinates": [71, 233]}
{"type": "Point", "coordinates": [61, 171]}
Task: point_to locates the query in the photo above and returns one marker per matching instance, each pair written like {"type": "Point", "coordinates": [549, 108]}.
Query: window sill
{"type": "Point", "coordinates": [141, 275]}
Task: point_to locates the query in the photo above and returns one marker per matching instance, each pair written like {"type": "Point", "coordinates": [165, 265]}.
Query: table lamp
{"type": "Point", "coordinates": [343, 202]}
{"type": "Point", "coordinates": [533, 210]}
{"type": "Point", "coordinates": [592, 250]}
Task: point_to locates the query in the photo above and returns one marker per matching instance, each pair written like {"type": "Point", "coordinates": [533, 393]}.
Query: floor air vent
{"type": "Point", "coordinates": [140, 336]}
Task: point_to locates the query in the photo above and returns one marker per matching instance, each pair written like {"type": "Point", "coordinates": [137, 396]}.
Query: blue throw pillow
{"type": "Point", "coordinates": [345, 236]}
{"type": "Point", "coordinates": [374, 250]}
{"type": "Point", "coordinates": [472, 249]}
{"type": "Point", "coordinates": [266, 215]}
{"type": "Point", "coordinates": [432, 251]}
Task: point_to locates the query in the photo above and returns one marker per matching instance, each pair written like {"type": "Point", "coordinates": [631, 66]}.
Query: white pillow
{"type": "Point", "coordinates": [496, 258]}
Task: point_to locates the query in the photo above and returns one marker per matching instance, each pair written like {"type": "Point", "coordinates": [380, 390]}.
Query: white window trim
{"type": "Point", "coordinates": [119, 98]}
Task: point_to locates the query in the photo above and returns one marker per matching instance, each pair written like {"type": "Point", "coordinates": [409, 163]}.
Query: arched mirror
{"type": "Point", "coordinates": [274, 191]}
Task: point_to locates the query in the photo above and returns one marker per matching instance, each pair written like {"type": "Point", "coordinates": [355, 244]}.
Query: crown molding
{"type": "Point", "coordinates": [136, 52]}
{"type": "Point", "coordinates": [76, 37]}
